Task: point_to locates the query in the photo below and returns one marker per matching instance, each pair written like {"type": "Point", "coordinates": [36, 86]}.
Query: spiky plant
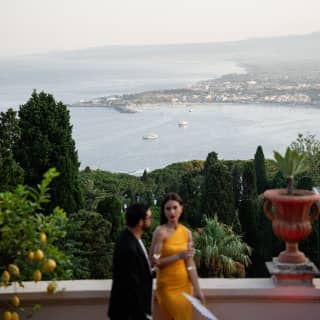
{"type": "Point", "coordinates": [220, 251]}
{"type": "Point", "coordinates": [291, 164]}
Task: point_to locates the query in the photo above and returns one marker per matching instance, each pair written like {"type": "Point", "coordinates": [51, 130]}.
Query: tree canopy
{"type": "Point", "coordinates": [260, 170]}
{"type": "Point", "coordinates": [45, 142]}
{"type": "Point", "coordinates": [217, 194]}
{"type": "Point", "coordinates": [10, 172]}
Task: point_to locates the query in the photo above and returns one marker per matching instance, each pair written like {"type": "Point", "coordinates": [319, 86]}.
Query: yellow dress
{"type": "Point", "coordinates": [173, 279]}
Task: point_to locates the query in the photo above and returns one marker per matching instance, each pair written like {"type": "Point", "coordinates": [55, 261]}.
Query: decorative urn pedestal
{"type": "Point", "coordinates": [291, 217]}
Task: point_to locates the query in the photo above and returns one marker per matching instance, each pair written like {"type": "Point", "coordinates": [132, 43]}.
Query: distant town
{"type": "Point", "coordinates": [252, 87]}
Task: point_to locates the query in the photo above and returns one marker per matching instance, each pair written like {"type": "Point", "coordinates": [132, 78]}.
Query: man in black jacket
{"type": "Point", "coordinates": [131, 292]}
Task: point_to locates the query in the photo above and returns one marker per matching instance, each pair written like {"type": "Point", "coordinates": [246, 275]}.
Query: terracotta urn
{"type": "Point", "coordinates": [291, 219]}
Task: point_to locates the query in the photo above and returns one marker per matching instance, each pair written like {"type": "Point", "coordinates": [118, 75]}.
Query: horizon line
{"type": "Point", "coordinates": [167, 44]}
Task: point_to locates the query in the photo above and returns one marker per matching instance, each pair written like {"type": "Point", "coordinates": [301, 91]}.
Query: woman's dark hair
{"type": "Point", "coordinates": [167, 197]}
{"type": "Point", "coordinates": [135, 213]}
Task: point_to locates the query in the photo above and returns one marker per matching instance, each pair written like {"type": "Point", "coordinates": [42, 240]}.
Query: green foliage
{"type": "Point", "coordinates": [278, 181]}
{"type": "Point", "coordinates": [169, 178]}
{"type": "Point", "coordinates": [291, 164]}
{"type": "Point", "coordinates": [220, 252]}
{"type": "Point", "coordinates": [109, 207]}
{"type": "Point", "coordinates": [45, 142]}
{"type": "Point", "coordinates": [145, 177]}
{"type": "Point", "coordinates": [311, 245]}
{"type": "Point", "coordinates": [305, 183]}
{"type": "Point", "coordinates": [91, 246]}
{"type": "Point", "coordinates": [249, 185]}
{"type": "Point", "coordinates": [21, 221]}
{"type": "Point", "coordinates": [182, 167]}
{"type": "Point", "coordinates": [147, 235]}
{"type": "Point", "coordinates": [236, 184]}
{"type": "Point", "coordinates": [217, 191]}
{"type": "Point", "coordinates": [266, 245]}
{"type": "Point", "coordinates": [190, 191]}
{"type": "Point", "coordinates": [10, 172]}
{"type": "Point", "coordinates": [111, 210]}
{"type": "Point", "coordinates": [260, 170]}
{"type": "Point", "coordinates": [147, 196]}
{"type": "Point", "coordinates": [271, 170]}
{"type": "Point", "coordinates": [247, 207]}
{"type": "Point", "coordinates": [310, 146]}
{"type": "Point", "coordinates": [248, 220]}
{"type": "Point", "coordinates": [97, 184]}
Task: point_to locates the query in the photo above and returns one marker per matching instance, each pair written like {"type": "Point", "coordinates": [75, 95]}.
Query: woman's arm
{"type": "Point", "coordinates": [192, 270]}
{"type": "Point", "coordinates": [156, 248]}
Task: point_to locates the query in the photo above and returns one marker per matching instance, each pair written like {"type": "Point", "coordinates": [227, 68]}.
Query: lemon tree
{"type": "Point", "coordinates": [30, 240]}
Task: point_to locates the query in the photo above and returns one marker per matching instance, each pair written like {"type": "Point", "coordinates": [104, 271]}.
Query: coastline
{"type": "Point", "coordinates": [173, 105]}
{"type": "Point", "coordinates": [192, 106]}
{"type": "Point", "coordinates": [257, 85]}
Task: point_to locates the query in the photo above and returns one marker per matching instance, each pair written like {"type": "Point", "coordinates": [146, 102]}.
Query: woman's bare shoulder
{"type": "Point", "coordinates": [159, 232]}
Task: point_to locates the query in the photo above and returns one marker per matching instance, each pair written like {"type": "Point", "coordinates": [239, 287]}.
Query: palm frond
{"type": "Point", "coordinates": [220, 248]}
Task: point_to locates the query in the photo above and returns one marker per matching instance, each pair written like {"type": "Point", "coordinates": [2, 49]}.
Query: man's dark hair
{"type": "Point", "coordinates": [135, 213]}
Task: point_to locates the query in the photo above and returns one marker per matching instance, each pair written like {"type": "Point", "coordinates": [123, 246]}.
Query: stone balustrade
{"type": "Point", "coordinates": [228, 299]}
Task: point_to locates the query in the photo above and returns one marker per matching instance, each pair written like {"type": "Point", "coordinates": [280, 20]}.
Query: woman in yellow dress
{"type": "Point", "coordinates": [172, 253]}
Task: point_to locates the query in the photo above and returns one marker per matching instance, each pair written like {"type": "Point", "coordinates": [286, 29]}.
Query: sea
{"type": "Point", "coordinates": [113, 141]}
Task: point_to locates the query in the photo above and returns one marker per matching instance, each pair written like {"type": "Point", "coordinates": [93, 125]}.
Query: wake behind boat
{"type": "Point", "coordinates": [182, 124]}
{"type": "Point", "coordinates": [151, 136]}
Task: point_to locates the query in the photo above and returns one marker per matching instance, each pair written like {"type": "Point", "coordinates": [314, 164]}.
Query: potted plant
{"type": "Point", "coordinates": [289, 209]}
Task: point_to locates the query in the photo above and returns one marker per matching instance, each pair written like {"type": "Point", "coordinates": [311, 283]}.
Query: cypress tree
{"type": "Point", "coordinates": [10, 172]}
{"type": "Point", "coordinates": [217, 195]}
{"type": "Point", "coordinates": [190, 191]}
{"type": "Point", "coordinates": [260, 170]}
{"type": "Point", "coordinates": [247, 207]}
{"type": "Point", "coordinates": [46, 142]}
{"type": "Point", "coordinates": [145, 176]}
{"type": "Point", "coordinates": [248, 211]}
{"type": "Point", "coordinates": [266, 241]}
{"type": "Point", "coordinates": [236, 184]}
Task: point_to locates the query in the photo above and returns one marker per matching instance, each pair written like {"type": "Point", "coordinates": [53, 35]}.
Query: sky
{"type": "Point", "coordinates": [35, 26]}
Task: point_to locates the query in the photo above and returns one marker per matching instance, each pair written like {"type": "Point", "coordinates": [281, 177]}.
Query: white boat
{"type": "Point", "coordinates": [150, 136]}
{"type": "Point", "coordinates": [182, 123]}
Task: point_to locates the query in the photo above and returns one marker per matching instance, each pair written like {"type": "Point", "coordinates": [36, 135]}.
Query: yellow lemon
{"type": "Point", "coordinates": [15, 301]}
{"type": "Point", "coordinates": [38, 255]}
{"type": "Point", "coordinates": [52, 286]}
{"type": "Point", "coordinates": [50, 265]}
{"type": "Point", "coordinates": [30, 255]}
{"type": "Point", "coordinates": [15, 316]}
{"type": "Point", "coordinates": [37, 275]}
{"type": "Point", "coordinates": [14, 269]}
{"type": "Point", "coordinates": [7, 315]}
{"type": "Point", "coordinates": [43, 237]}
{"type": "Point", "coordinates": [5, 276]}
